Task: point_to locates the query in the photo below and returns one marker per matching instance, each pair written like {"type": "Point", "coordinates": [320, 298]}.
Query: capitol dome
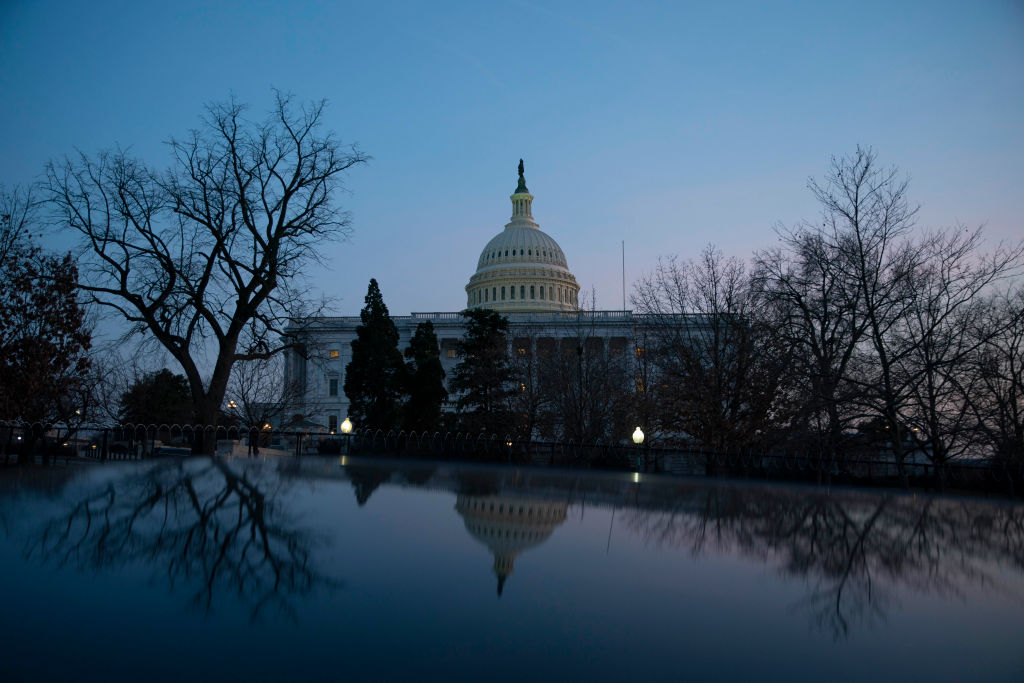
{"type": "Point", "coordinates": [522, 268]}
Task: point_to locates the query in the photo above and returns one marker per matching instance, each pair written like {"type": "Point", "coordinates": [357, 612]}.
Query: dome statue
{"type": "Point", "coordinates": [522, 269]}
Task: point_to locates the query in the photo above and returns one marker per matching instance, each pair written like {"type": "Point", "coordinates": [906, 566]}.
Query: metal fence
{"type": "Point", "coordinates": [21, 442]}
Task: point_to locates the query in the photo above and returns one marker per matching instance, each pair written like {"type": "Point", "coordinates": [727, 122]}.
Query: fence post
{"type": "Point", "coordinates": [7, 448]}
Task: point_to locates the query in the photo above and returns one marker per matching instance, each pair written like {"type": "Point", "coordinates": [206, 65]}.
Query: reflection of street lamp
{"type": "Point", "coordinates": [638, 439]}
{"type": "Point", "coordinates": [346, 429]}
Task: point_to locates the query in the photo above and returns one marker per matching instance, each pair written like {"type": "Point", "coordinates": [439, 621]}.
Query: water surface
{"type": "Point", "coordinates": [331, 568]}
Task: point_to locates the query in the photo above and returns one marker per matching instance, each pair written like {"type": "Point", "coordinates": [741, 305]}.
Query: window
{"type": "Point", "coordinates": [639, 352]}
{"type": "Point", "coordinates": [333, 353]}
{"type": "Point", "coordinates": [502, 293]}
{"type": "Point", "coordinates": [522, 291]}
{"type": "Point", "coordinates": [332, 423]}
{"type": "Point", "coordinates": [522, 350]}
{"type": "Point", "coordinates": [494, 293]}
{"type": "Point", "coordinates": [512, 292]}
{"type": "Point", "coordinates": [332, 386]}
{"type": "Point", "coordinates": [485, 295]}
{"type": "Point", "coordinates": [451, 353]}
{"type": "Point", "coordinates": [532, 292]}
{"type": "Point", "coordinates": [541, 292]}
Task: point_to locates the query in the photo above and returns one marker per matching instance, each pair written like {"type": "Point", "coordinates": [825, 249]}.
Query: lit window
{"type": "Point", "coordinates": [332, 387]}
{"type": "Point", "coordinates": [522, 351]}
{"type": "Point", "coordinates": [639, 351]}
{"type": "Point", "coordinates": [522, 386]}
{"type": "Point", "coordinates": [333, 353]}
{"type": "Point", "coordinates": [451, 353]}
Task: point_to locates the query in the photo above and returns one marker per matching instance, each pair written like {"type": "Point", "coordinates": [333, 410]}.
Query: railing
{"type": "Point", "coordinates": [23, 442]}
{"type": "Point", "coordinates": [537, 316]}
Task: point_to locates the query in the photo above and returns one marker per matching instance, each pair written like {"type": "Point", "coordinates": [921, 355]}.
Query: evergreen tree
{"type": "Point", "coordinates": [484, 378]}
{"type": "Point", "coordinates": [373, 378]}
{"type": "Point", "coordinates": [160, 397]}
{"type": "Point", "coordinates": [424, 381]}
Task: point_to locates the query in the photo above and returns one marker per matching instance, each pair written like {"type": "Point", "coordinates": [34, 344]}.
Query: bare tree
{"type": "Point", "coordinates": [818, 313]}
{"type": "Point", "coordinates": [866, 216]}
{"type": "Point", "coordinates": [710, 345]}
{"type": "Point", "coordinates": [938, 335]}
{"type": "Point", "coordinates": [211, 251]}
{"type": "Point", "coordinates": [532, 404]}
{"type": "Point", "coordinates": [257, 393]}
{"type": "Point", "coordinates": [997, 398]}
{"type": "Point", "coordinates": [585, 382]}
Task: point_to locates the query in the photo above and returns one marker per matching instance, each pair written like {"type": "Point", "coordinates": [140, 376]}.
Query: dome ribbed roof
{"type": "Point", "coordinates": [521, 245]}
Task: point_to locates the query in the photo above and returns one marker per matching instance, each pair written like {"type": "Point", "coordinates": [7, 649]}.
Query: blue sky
{"type": "Point", "coordinates": [667, 125]}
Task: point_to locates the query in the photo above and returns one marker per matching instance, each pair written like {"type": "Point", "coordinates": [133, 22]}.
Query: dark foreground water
{"type": "Point", "coordinates": [345, 569]}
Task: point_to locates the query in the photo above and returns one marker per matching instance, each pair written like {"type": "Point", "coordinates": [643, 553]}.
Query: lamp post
{"type": "Point", "coordinates": [346, 429]}
{"type": "Point", "coordinates": [638, 439]}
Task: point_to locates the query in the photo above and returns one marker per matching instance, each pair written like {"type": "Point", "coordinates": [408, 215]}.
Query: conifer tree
{"type": "Point", "coordinates": [484, 377]}
{"type": "Point", "coordinates": [424, 381]}
{"type": "Point", "coordinates": [160, 397]}
{"type": "Point", "coordinates": [373, 378]}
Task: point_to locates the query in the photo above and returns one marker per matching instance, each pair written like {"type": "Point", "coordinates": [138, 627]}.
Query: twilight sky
{"type": "Point", "coordinates": [667, 125]}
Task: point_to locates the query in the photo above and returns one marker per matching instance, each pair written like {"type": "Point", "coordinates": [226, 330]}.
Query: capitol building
{"type": "Point", "coordinates": [522, 273]}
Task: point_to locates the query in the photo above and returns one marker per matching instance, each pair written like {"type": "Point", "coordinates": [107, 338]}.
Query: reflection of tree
{"type": "Point", "coordinates": [853, 550]}
{"type": "Point", "coordinates": [214, 527]}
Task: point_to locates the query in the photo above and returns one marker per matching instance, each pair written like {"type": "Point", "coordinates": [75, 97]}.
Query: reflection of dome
{"type": "Point", "coordinates": [522, 268]}
{"type": "Point", "coordinates": [509, 525]}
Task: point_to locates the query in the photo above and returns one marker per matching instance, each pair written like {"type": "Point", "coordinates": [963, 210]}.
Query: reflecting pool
{"type": "Point", "coordinates": [346, 568]}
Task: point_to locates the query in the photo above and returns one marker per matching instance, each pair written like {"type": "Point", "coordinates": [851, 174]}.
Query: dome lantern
{"type": "Point", "coordinates": [522, 200]}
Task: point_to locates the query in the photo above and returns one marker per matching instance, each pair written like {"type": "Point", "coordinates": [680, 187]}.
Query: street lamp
{"type": "Point", "coordinates": [638, 439]}
{"type": "Point", "coordinates": [346, 429]}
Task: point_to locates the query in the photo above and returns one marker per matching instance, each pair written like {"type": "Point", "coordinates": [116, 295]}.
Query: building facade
{"type": "Point", "coordinates": [522, 273]}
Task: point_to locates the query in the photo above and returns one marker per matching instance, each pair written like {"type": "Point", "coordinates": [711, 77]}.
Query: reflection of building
{"type": "Point", "coordinates": [509, 525]}
{"type": "Point", "coordinates": [521, 273]}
